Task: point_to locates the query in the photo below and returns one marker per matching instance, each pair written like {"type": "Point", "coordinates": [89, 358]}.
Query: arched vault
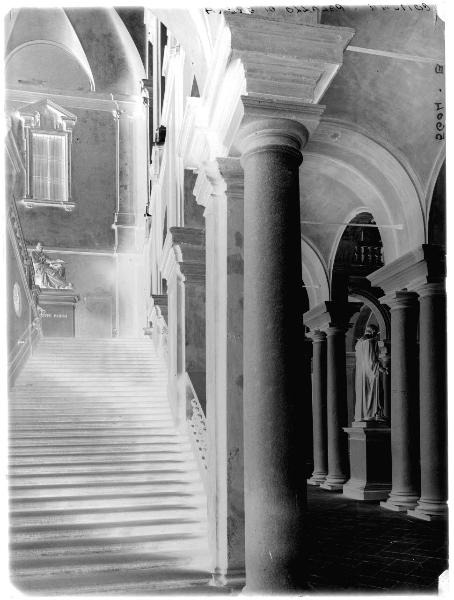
{"type": "Point", "coordinates": [345, 172]}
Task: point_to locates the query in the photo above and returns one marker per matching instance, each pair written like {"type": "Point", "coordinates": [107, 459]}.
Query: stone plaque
{"type": "Point", "coordinates": [58, 317]}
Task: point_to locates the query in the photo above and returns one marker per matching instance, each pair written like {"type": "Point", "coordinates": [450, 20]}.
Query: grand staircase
{"type": "Point", "coordinates": [105, 494]}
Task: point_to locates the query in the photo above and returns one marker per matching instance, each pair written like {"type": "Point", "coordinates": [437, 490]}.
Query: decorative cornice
{"type": "Point", "coordinates": [59, 296]}
{"type": "Point", "coordinates": [160, 299]}
{"type": "Point", "coordinates": [425, 264]}
{"type": "Point", "coordinates": [232, 172]}
{"type": "Point", "coordinates": [209, 183]}
{"type": "Point", "coordinates": [183, 254]}
{"type": "Point", "coordinates": [191, 236]}
{"type": "Point", "coordinates": [297, 58]}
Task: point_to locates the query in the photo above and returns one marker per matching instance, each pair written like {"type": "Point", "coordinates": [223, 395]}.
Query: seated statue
{"type": "Point", "coordinates": [368, 401]}
{"type": "Point", "coordinates": [49, 273]}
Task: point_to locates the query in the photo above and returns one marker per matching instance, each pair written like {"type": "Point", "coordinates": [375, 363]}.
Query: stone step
{"type": "Point", "coordinates": [96, 402]}
{"type": "Point", "coordinates": [59, 423]}
{"type": "Point", "coordinates": [31, 441]}
{"type": "Point", "coordinates": [84, 387]}
{"type": "Point", "coordinates": [122, 515]}
{"type": "Point", "coordinates": [64, 414]}
{"type": "Point", "coordinates": [90, 459]}
{"type": "Point", "coordinates": [29, 506]}
{"type": "Point", "coordinates": [130, 443]}
{"type": "Point", "coordinates": [61, 432]}
{"type": "Point", "coordinates": [114, 529]}
{"type": "Point", "coordinates": [137, 582]}
{"type": "Point", "coordinates": [95, 449]}
{"type": "Point", "coordinates": [107, 465]}
{"type": "Point", "coordinates": [63, 422]}
{"type": "Point", "coordinates": [104, 546]}
{"type": "Point", "coordinates": [90, 395]}
{"type": "Point", "coordinates": [97, 477]}
{"type": "Point", "coordinates": [83, 564]}
{"type": "Point", "coordinates": [60, 490]}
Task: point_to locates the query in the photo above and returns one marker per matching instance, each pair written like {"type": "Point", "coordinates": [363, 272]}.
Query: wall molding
{"type": "Point", "coordinates": [87, 251]}
{"type": "Point", "coordinates": [93, 101]}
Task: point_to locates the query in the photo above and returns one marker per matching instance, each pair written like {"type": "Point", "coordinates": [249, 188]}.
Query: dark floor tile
{"type": "Point", "coordinates": [360, 547]}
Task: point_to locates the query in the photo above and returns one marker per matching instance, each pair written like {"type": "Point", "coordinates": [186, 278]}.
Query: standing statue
{"type": "Point", "coordinates": [49, 273]}
{"type": "Point", "coordinates": [368, 402]}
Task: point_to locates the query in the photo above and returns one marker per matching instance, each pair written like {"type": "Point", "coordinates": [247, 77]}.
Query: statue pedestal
{"type": "Point", "coordinates": [59, 307]}
{"type": "Point", "coordinates": [369, 445]}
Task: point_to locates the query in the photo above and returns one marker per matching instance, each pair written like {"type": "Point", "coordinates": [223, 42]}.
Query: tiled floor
{"type": "Point", "coordinates": [357, 546]}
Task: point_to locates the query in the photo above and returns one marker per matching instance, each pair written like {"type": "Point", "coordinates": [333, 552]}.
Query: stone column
{"type": "Point", "coordinates": [433, 402]}
{"type": "Point", "coordinates": [223, 183]}
{"type": "Point", "coordinates": [319, 408]}
{"type": "Point", "coordinates": [275, 488]}
{"type": "Point", "coordinates": [336, 408]}
{"type": "Point", "coordinates": [131, 185]}
{"type": "Point", "coordinates": [404, 401]}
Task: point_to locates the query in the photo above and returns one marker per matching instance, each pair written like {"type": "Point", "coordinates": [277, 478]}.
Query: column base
{"type": "Point", "coordinates": [234, 579]}
{"type": "Point", "coordinates": [429, 511]}
{"type": "Point", "coordinates": [333, 485]}
{"type": "Point", "coordinates": [317, 479]}
{"type": "Point", "coordinates": [359, 490]}
{"type": "Point", "coordinates": [400, 504]}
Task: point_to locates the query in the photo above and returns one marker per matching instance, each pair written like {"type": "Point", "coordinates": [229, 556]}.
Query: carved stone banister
{"type": "Point", "coordinates": [20, 246]}
{"type": "Point", "coordinates": [197, 427]}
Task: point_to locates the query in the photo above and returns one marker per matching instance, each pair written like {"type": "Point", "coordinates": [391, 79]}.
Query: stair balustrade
{"type": "Point", "coordinates": [22, 346]}
{"type": "Point", "coordinates": [197, 427]}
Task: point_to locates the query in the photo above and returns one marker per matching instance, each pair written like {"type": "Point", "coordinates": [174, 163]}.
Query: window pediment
{"type": "Point", "coordinates": [47, 129]}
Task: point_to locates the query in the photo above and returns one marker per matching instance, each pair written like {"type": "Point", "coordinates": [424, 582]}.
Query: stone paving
{"type": "Point", "coordinates": [359, 547]}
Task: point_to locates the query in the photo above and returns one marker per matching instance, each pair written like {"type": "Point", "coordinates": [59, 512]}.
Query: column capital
{"type": "Point", "coordinates": [280, 116]}
{"type": "Point", "coordinates": [425, 290]}
{"type": "Point", "coordinates": [331, 314]}
{"type": "Point", "coordinates": [317, 336]}
{"type": "Point", "coordinates": [276, 123]}
{"type": "Point", "coordinates": [333, 330]}
{"type": "Point", "coordinates": [400, 299]}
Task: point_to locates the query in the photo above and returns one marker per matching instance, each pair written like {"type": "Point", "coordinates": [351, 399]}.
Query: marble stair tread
{"type": "Point", "coordinates": [71, 450]}
{"type": "Point", "coordinates": [105, 493]}
{"type": "Point", "coordinates": [96, 546]}
{"type": "Point", "coordinates": [117, 442]}
{"type": "Point", "coordinates": [80, 562]}
{"type": "Point", "coordinates": [102, 467]}
{"type": "Point", "coordinates": [106, 529]}
{"type": "Point", "coordinates": [79, 505]}
{"type": "Point", "coordinates": [104, 488]}
{"type": "Point", "coordinates": [100, 458]}
{"type": "Point", "coordinates": [105, 515]}
{"type": "Point", "coordinates": [123, 581]}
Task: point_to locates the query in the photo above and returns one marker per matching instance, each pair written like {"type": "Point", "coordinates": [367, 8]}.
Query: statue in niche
{"type": "Point", "coordinates": [49, 273]}
{"type": "Point", "coordinates": [369, 404]}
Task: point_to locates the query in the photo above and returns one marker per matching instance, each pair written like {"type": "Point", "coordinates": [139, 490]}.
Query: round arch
{"type": "Point", "coordinates": [377, 182]}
